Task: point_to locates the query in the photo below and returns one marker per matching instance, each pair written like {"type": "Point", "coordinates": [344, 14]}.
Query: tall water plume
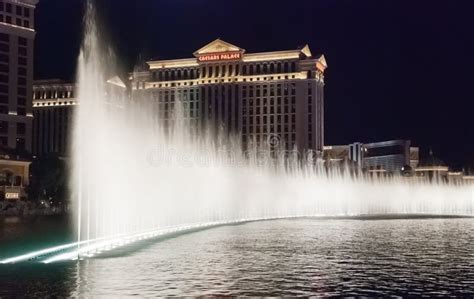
{"type": "Point", "coordinates": [131, 173]}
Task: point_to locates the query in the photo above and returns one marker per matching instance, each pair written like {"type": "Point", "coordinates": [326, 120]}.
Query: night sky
{"type": "Point", "coordinates": [397, 69]}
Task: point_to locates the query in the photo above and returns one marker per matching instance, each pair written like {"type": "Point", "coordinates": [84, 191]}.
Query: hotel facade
{"type": "Point", "coordinates": [54, 102]}
{"type": "Point", "coordinates": [273, 98]}
{"type": "Point", "coordinates": [17, 35]}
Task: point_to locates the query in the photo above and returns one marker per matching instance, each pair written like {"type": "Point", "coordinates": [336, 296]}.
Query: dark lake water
{"type": "Point", "coordinates": [408, 257]}
{"type": "Point", "coordinates": [20, 235]}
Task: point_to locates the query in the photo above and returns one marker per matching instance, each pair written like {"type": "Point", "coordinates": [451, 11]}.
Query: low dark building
{"type": "Point", "coordinates": [14, 174]}
{"type": "Point", "coordinates": [391, 156]}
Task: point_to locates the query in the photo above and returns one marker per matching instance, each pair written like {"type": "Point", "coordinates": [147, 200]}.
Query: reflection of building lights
{"type": "Point", "coordinates": [436, 168]}
{"type": "Point", "coordinates": [377, 170]}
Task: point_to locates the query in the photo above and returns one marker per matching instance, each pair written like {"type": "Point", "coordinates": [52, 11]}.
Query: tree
{"type": "Point", "coordinates": [49, 180]}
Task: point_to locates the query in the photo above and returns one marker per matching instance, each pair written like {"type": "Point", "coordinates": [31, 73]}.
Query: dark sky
{"type": "Point", "coordinates": [397, 69]}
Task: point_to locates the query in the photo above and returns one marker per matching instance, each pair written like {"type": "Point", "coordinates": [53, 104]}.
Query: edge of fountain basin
{"type": "Point", "coordinates": [42, 255]}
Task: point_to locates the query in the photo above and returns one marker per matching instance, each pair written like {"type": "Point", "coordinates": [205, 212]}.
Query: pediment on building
{"type": "Point", "coordinates": [322, 60]}
{"type": "Point", "coordinates": [28, 2]}
{"type": "Point", "coordinates": [306, 51]}
{"type": "Point", "coordinates": [218, 46]}
{"type": "Point", "coordinates": [321, 63]}
{"type": "Point", "coordinates": [117, 81]}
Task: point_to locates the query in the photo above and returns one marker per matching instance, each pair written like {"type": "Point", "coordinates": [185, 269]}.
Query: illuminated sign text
{"type": "Point", "coordinates": [220, 56]}
{"type": "Point", "coordinates": [12, 195]}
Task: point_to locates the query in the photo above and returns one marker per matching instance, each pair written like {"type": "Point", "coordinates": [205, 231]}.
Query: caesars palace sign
{"type": "Point", "coordinates": [220, 56]}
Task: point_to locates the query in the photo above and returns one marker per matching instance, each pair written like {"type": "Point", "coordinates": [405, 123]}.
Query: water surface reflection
{"type": "Point", "coordinates": [286, 257]}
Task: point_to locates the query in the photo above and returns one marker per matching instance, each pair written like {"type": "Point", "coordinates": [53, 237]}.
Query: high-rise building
{"type": "Point", "coordinates": [17, 36]}
{"type": "Point", "coordinates": [263, 97]}
{"type": "Point", "coordinates": [274, 97]}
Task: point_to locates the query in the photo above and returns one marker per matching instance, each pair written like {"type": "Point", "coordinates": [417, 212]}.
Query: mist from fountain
{"type": "Point", "coordinates": [131, 173]}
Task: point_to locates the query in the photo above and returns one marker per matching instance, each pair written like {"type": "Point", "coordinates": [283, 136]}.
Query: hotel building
{"type": "Point", "coordinates": [53, 108]}
{"type": "Point", "coordinates": [17, 36]}
{"type": "Point", "coordinates": [262, 97]}
{"type": "Point", "coordinates": [54, 102]}
{"type": "Point", "coordinates": [272, 97]}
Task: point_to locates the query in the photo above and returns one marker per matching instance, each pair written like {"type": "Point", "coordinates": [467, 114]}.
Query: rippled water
{"type": "Point", "coordinates": [19, 235]}
{"type": "Point", "coordinates": [285, 257]}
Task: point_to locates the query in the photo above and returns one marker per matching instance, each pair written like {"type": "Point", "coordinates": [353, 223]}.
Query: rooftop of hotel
{"type": "Point", "coordinates": [25, 2]}
{"type": "Point", "coordinates": [53, 92]}
{"type": "Point", "coordinates": [51, 83]}
{"type": "Point", "coordinates": [219, 46]}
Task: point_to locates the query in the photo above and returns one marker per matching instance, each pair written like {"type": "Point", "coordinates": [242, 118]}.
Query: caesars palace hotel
{"type": "Point", "coordinates": [256, 95]}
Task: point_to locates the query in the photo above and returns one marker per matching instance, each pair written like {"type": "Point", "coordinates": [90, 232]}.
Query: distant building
{"type": "Point", "coordinates": [17, 35]}
{"type": "Point", "coordinates": [53, 107]}
{"type": "Point", "coordinates": [336, 154]}
{"type": "Point", "coordinates": [14, 175]}
{"type": "Point", "coordinates": [434, 168]}
{"type": "Point", "coordinates": [54, 102]}
{"type": "Point", "coordinates": [414, 157]}
{"type": "Point", "coordinates": [356, 154]}
{"type": "Point", "coordinates": [260, 96]}
{"type": "Point", "coordinates": [391, 157]}
{"type": "Point", "coordinates": [456, 177]}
